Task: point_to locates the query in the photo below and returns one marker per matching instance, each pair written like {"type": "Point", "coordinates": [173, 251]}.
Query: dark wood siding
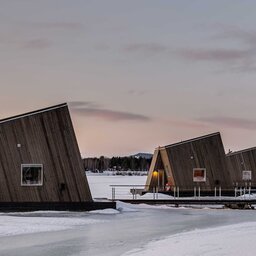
{"type": "Point", "coordinates": [207, 152]}
{"type": "Point", "coordinates": [203, 152]}
{"type": "Point", "coordinates": [241, 161]}
{"type": "Point", "coordinates": [48, 138]}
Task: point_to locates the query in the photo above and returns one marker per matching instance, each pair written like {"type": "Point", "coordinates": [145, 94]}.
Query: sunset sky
{"type": "Point", "coordinates": [137, 73]}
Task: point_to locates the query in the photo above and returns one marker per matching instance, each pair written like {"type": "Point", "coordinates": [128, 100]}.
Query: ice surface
{"type": "Point", "coordinates": [100, 185]}
{"type": "Point", "coordinates": [17, 225]}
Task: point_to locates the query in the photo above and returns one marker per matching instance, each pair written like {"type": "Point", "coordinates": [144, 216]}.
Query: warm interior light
{"type": "Point", "coordinates": [155, 173]}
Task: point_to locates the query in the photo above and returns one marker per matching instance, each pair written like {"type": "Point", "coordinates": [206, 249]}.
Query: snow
{"type": "Point", "coordinates": [105, 211]}
{"type": "Point", "coordinates": [100, 185]}
{"type": "Point", "coordinates": [238, 239]}
{"type": "Point", "coordinates": [247, 196]}
{"type": "Point", "coordinates": [16, 225]}
{"type": "Point", "coordinates": [130, 230]}
{"type": "Point", "coordinates": [157, 196]}
{"type": "Point", "coordinates": [125, 207]}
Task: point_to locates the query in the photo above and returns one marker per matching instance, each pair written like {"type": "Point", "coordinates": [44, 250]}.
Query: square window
{"type": "Point", "coordinates": [247, 175]}
{"type": "Point", "coordinates": [199, 175]}
{"type": "Point", "coordinates": [31, 174]}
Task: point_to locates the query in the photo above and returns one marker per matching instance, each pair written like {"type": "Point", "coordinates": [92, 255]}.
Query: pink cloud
{"type": "Point", "coordinates": [90, 109]}
{"type": "Point", "coordinates": [232, 122]}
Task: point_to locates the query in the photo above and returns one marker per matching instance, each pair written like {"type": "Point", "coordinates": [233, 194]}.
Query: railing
{"type": "Point", "coordinates": [136, 191]}
{"type": "Point", "coordinates": [127, 191]}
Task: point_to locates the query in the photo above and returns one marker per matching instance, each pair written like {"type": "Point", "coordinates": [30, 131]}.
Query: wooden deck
{"type": "Point", "coordinates": [231, 203]}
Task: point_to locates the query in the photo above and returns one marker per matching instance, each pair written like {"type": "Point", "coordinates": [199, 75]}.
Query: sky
{"type": "Point", "coordinates": [136, 74]}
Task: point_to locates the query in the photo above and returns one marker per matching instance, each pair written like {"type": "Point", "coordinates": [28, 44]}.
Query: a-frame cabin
{"type": "Point", "coordinates": [198, 162]}
{"type": "Point", "coordinates": [242, 166]}
{"type": "Point", "coordinates": [40, 160]}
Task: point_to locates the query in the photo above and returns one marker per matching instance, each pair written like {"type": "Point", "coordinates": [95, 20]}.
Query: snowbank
{"type": "Point", "coordinates": [236, 239]}
{"type": "Point", "coordinates": [105, 211]}
{"type": "Point", "coordinates": [125, 207]}
{"type": "Point", "coordinates": [157, 196]}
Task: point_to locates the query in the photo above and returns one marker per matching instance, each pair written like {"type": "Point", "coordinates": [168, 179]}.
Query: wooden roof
{"type": "Point", "coordinates": [191, 140]}
{"type": "Point", "coordinates": [33, 112]}
{"type": "Point", "coordinates": [241, 151]}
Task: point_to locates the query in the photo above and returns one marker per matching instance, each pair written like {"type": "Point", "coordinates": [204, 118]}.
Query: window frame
{"type": "Point", "coordinates": [42, 175]}
{"type": "Point", "coordinates": [196, 169]}
{"type": "Point", "coordinates": [247, 171]}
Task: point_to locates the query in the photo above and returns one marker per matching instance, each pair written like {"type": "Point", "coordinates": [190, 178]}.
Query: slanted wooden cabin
{"type": "Point", "coordinates": [242, 167]}
{"type": "Point", "coordinates": [40, 160]}
{"type": "Point", "coordinates": [199, 162]}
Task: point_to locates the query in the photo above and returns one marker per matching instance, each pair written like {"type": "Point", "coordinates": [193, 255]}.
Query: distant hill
{"type": "Point", "coordinates": [143, 155]}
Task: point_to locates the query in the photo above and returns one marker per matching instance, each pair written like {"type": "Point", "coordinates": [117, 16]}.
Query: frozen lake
{"type": "Point", "coordinates": [133, 230]}
{"type": "Point", "coordinates": [100, 185]}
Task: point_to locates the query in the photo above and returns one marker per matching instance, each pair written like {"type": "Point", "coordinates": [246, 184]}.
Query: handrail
{"type": "Point", "coordinates": [138, 189]}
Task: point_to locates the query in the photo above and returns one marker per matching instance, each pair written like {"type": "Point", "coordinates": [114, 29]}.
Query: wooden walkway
{"type": "Point", "coordinates": [240, 203]}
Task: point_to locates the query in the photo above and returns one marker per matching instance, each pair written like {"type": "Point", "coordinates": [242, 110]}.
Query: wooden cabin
{"type": "Point", "coordinates": [199, 162]}
{"type": "Point", "coordinates": [40, 160]}
{"type": "Point", "coordinates": [242, 167]}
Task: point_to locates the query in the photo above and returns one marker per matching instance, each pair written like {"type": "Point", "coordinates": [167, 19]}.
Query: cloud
{"type": "Point", "coordinates": [82, 104]}
{"type": "Point", "coordinates": [56, 25]}
{"type": "Point", "coordinates": [219, 55]}
{"type": "Point", "coordinates": [39, 43]}
{"type": "Point", "coordinates": [231, 57]}
{"type": "Point", "coordinates": [90, 109]}
{"type": "Point", "coordinates": [232, 122]}
{"type": "Point", "coordinates": [45, 38]}
{"type": "Point", "coordinates": [137, 92]}
{"type": "Point", "coordinates": [232, 33]}
{"type": "Point", "coordinates": [146, 48]}
{"type": "Point", "coordinates": [239, 58]}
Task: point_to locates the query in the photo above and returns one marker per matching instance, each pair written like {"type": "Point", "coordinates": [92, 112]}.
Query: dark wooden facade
{"type": "Point", "coordinates": [240, 161]}
{"type": "Point", "coordinates": [174, 165]}
{"type": "Point", "coordinates": [44, 137]}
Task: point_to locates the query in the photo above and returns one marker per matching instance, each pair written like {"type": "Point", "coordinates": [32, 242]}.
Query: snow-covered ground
{"type": "Point", "coordinates": [237, 239]}
{"type": "Point", "coordinates": [100, 185]}
{"type": "Point", "coordinates": [129, 230]}
{"type": "Point", "coordinates": [21, 224]}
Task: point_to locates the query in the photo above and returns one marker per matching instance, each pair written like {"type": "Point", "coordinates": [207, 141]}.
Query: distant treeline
{"type": "Point", "coordinates": [117, 163]}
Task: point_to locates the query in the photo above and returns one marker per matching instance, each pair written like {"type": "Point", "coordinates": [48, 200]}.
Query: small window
{"type": "Point", "coordinates": [199, 175]}
{"type": "Point", "coordinates": [247, 175]}
{"type": "Point", "coordinates": [31, 174]}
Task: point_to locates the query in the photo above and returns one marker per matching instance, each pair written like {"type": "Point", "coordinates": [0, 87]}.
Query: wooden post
{"type": "Point", "coordinates": [113, 193]}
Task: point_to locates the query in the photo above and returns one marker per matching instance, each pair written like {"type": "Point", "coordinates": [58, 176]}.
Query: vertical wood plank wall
{"type": "Point", "coordinates": [240, 161]}
{"type": "Point", "coordinates": [203, 152]}
{"type": "Point", "coordinates": [47, 138]}
{"type": "Point", "coordinates": [207, 152]}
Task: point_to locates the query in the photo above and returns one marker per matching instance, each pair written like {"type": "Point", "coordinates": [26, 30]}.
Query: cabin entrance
{"type": "Point", "coordinates": [159, 179]}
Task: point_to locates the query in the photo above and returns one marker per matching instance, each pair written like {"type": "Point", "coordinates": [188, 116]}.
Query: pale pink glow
{"type": "Point", "coordinates": [96, 138]}
{"type": "Point", "coordinates": [137, 74]}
